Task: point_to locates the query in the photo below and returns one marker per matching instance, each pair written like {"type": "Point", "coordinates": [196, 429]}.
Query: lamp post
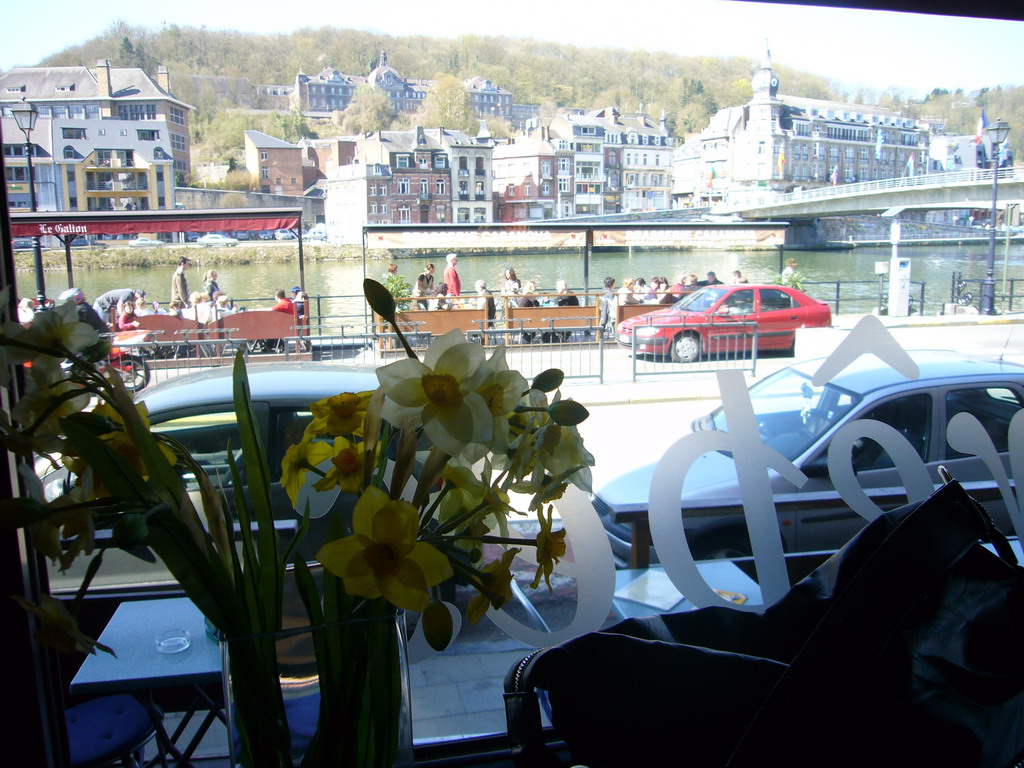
{"type": "Point", "coordinates": [997, 133]}
{"type": "Point", "coordinates": [25, 115]}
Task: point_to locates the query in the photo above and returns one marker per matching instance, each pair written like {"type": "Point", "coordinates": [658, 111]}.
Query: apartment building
{"type": "Point", "coordinates": [525, 181]}
{"type": "Point", "coordinates": [277, 165]}
{"type": "Point", "coordinates": [105, 139]}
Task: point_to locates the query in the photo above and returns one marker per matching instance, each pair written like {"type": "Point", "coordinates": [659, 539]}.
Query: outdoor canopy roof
{"type": "Point", "coordinates": [62, 223]}
{"type": "Point", "coordinates": [67, 225]}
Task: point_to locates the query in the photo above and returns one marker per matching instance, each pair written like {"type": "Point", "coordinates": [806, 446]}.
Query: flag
{"type": "Point", "coordinates": [780, 166]}
{"type": "Point", "coordinates": [982, 125]}
{"type": "Point", "coordinates": [910, 164]}
{"type": "Point", "coordinates": [878, 145]}
{"type": "Point", "coordinates": [835, 175]}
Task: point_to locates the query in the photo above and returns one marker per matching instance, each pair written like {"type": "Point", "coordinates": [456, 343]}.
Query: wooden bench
{"type": "Point", "coordinates": [420, 325]}
{"type": "Point", "coordinates": [258, 325]}
{"type": "Point", "coordinates": [537, 323]}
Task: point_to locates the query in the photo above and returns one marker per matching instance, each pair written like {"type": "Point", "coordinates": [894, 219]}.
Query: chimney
{"type": "Point", "coordinates": [103, 76]}
{"type": "Point", "coordinates": [163, 79]}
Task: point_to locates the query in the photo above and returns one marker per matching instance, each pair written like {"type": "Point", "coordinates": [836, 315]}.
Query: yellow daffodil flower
{"type": "Point", "coordinates": [550, 548]}
{"type": "Point", "coordinates": [383, 557]}
{"type": "Point", "coordinates": [346, 471]}
{"type": "Point", "coordinates": [341, 414]}
{"type": "Point", "coordinates": [58, 627]}
{"type": "Point", "coordinates": [297, 462]}
{"type": "Point", "coordinates": [497, 578]}
{"type": "Point", "coordinates": [440, 393]}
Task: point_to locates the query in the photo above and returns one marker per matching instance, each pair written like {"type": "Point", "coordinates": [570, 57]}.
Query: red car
{"type": "Point", "coordinates": [720, 319]}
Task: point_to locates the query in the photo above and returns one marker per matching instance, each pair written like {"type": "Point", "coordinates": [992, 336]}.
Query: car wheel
{"type": "Point", "coordinates": [721, 545]}
{"type": "Point", "coordinates": [686, 348]}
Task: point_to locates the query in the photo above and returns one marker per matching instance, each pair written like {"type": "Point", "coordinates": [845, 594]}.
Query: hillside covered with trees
{"type": "Point", "coordinates": [688, 89]}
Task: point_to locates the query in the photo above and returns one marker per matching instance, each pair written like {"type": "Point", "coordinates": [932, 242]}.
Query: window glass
{"type": "Point", "coordinates": [773, 299]}
{"type": "Point", "coordinates": [994, 407]}
{"type": "Point", "coordinates": [911, 416]}
{"type": "Point", "coordinates": [740, 302]}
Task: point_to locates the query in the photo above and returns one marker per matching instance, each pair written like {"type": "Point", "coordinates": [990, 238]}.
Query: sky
{"type": "Point", "coordinates": [875, 49]}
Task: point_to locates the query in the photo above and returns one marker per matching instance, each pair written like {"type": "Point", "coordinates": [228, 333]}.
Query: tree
{"type": "Point", "coordinates": [369, 110]}
{"type": "Point", "coordinates": [448, 105]}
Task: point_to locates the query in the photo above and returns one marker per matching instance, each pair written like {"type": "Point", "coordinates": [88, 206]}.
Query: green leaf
{"type": "Point", "coordinates": [568, 413]}
{"type": "Point", "coordinates": [549, 380]}
{"type": "Point", "coordinates": [120, 477]}
{"type": "Point", "coordinates": [380, 299]}
{"type": "Point", "coordinates": [18, 513]}
{"type": "Point", "coordinates": [94, 423]}
{"type": "Point", "coordinates": [130, 531]}
{"type": "Point", "coordinates": [271, 566]}
{"type": "Point", "coordinates": [437, 625]}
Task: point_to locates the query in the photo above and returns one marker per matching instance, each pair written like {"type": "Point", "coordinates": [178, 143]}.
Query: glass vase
{"type": "Point", "coordinates": [333, 695]}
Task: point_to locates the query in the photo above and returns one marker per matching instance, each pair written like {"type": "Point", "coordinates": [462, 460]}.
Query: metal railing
{"type": "Point", "coordinates": [861, 295]}
{"type": "Point", "coordinates": [706, 346]}
{"type": "Point", "coordinates": [953, 178]}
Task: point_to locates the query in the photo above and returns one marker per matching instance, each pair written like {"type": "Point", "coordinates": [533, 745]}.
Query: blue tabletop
{"type": "Point", "coordinates": [132, 632]}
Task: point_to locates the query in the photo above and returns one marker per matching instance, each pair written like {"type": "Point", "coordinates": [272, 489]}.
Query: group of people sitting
{"type": "Point", "coordinates": [636, 290]}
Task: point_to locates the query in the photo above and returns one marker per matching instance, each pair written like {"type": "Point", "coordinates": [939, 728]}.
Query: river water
{"type": "Point", "coordinates": [255, 283]}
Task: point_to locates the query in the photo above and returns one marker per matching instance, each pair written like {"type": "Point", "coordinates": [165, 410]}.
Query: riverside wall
{"type": "Point", "coordinates": [196, 198]}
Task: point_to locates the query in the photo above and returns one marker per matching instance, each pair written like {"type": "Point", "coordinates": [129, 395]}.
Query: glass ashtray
{"type": "Point", "coordinates": [173, 641]}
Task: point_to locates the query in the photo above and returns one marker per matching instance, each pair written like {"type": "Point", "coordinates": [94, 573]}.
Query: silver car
{"type": "Point", "coordinates": [198, 411]}
{"type": "Point", "coordinates": [799, 420]}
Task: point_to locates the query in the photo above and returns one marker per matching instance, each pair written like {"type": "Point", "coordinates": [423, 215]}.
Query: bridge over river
{"type": "Point", "coordinates": [959, 189]}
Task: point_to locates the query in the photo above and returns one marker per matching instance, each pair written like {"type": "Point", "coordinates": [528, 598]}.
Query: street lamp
{"type": "Point", "coordinates": [25, 115]}
{"type": "Point", "coordinates": [997, 133]}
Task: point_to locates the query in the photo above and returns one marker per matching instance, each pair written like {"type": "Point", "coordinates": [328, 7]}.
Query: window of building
{"type": "Point", "coordinates": [179, 142]}
{"type": "Point", "coordinates": [277, 181]}
{"type": "Point", "coordinates": [16, 173]}
{"type": "Point", "coordinates": [149, 135]}
{"type": "Point", "coordinates": [463, 215]}
{"type": "Point", "coordinates": [440, 187]}
{"type": "Point", "coordinates": [264, 173]}
{"type": "Point", "coordinates": [177, 115]}
{"type": "Point", "coordinates": [545, 168]}
{"type": "Point", "coordinates": [136, 111]}
{"type": "Point", "coordinates": [479, 215]}
{"type": "Point", "coordinates": [73, 133]}
{"type": "Point", "coordinates": [527, 189]}
{"type": "Point", "coordinates": [563, 185]}
{"type": "Point", "coordinates": [373, 207]}
{"type": "Point", "coordinates": [545, 188]}
{"type": "Point", "coordinates": [384, 206]}
{"type": "Point", "coordinates": [264, 155]}
{"type": "Point", "coordinates": [440, 161]}
{"type": "Point", "coordinates": [402, 186]}
{"type": "Point", "coordinates": [70, 153]}
{"type": "Point", "coordinates": [424, 187]}
{"type": "Point", "coordinates": [441, 213]}
{"type": "Point", "coordinates": [404, 214]}
{"type": "Point", "coordinates": [403, 161]}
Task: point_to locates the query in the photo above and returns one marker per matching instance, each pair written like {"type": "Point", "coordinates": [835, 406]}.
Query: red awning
{"type": "Point", "coordinates": [133, 222]}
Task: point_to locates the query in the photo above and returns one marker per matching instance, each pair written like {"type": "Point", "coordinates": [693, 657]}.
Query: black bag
{"type": "Point", "coordinates": [905, 648]}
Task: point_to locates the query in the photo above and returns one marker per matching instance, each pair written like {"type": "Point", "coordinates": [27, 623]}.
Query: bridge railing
{"type": "Point", "coordinates": [973, 176]}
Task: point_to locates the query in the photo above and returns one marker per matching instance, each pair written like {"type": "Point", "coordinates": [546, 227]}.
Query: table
{"type": "Point", "coordinates": [643, 592]}
{"type": "Point", "coordinates": [138, 668]}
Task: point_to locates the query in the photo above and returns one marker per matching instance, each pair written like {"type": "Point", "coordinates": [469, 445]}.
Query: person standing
{"type": "Point", "coordinates": [451, 276]}
{"type": "Point", "coordinates": [607, 303]}
{"type": "Point", "coordinates": [424, 287]}
{"type": "Point", "coordinates": [179, 282]}
{"type": "Point", "coordinates": [210, 286]}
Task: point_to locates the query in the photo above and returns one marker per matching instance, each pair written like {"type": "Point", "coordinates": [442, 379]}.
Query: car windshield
{"type": "Point", "coordinates": [701, 300]}
{"type": "Point", "coordinates": [792, 413]}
